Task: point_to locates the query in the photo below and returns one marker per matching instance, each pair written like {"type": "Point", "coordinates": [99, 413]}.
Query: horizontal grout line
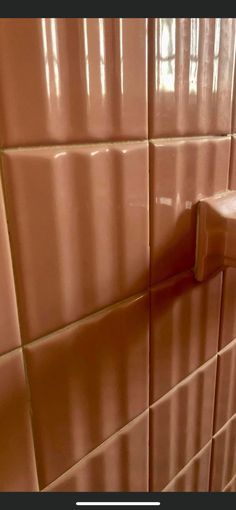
{"type": "Point", "coordinates": [111, 143]}
{"type": "Point", "coordinates": [183, 381]}
{"type": "Point", "coordinates": [189, 462]}
{"type": "Point", "coordinates": [224, 426]}
{"type": "Point", "coordinates": [106, 442]}
{"type": "Point", "coordinates": [72, 145]}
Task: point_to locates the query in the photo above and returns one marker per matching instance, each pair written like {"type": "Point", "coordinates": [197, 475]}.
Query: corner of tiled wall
{"type": "Point", "coordinates": [118, 369]}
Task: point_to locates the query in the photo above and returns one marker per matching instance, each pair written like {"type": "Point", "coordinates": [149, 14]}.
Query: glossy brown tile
{"type": "Point", "coordinates": [17, 461]}
{"type": "Point", "coordinates": [228, 309]}
{"type": "Point", "coordinates": [118, 465]}
{"type": "Point", "coordinates": [87, 381]}
{"type": "Point", "coordinates": [231, 486]}
{"type": "Point", "coordinates": [184, 329]}
{"type": "Point", "coordinates": [191, 76]}
{"type": "Point", "coordinates": [72, 80]}
{"type": "Point", "coordinates": [9, 326]}
{"type": "Point", "coordinates": [226, 386]}
{"type": "Point", "coordinates": [79, 224]}
{"type": "Point", "coordinates": [223, 456]}
{"type": "Point", "coordinates": [195, 476]}
{"type": "Point", "coordinates": [232, 179]}
{"type": "Point", "coordinates": [181, 425]}
{"type": "Point", "coordinates": [182, 172]}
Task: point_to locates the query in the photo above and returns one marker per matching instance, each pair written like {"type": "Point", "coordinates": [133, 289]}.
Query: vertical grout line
{"type": "Point", "coordinates": [18, 312]}
{"type": "Point", "coordinates": [149, 243]}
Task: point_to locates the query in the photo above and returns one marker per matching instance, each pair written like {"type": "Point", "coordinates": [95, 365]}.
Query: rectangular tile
{"type": "Point", "coordinates": [118, 465]}
{"type": "Point", "coordinates": [223, 456]}
{"type": "Point", "coordinates": [232, 175]}
{"type": "Point", "coordinates": [228, 309]}
{"type": "Point", "coordinates": [226, 386]}
{"type": "Point", "coordinates": [195, 476]}
{"type": "Point", "coordinates": [83, 79]}
{"type": "Point", "coordinates": [87, 382]}
{"type": "Point", "coordinates": [182, 172]}
{"type": "Point", "coordinates": [181, 425]}
{"type": "Point", "coordinates": [17, 461]}
{"type": "Point", "coordinates": [191, 75]}
{"type": "Point", "coordinates": [184, 329]}
{"type": "Point", "coordinates": [9, 326]}
{"type": "Point", "coordinates": [78, 218]}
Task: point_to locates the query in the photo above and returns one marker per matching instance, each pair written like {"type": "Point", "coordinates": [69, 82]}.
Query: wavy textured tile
{"type": "Point", "coordinates": [223, 456]}
{"type": "Point", "coordinates": [184, 329]}
{"type": "Point", "coordinates": [17, 461]}
{"type": "Point", "coordinates": [195, 476]}
{"type": "Point", "coordinates": [70, 80]}
{"type": "Point", "coordinates": [118, 465]}
{"type": "Point", "coordinates": [87, 381]}
{"type": "Point", "coordinates": [191, 76]}
{"type": "Point", "coordinates": [78, 220]}
{"type": "Point", "coordinates": [182, 172]}
{"type": "Point", "coordinates": [231, 486]}
{"type": "Point", "coordinates": [228, 310]}
{"type": "Point", "coordinates": [9, 327]}
{"type": "Point", "coordinates": [226, 386]}
{"type": "Point", "coordinates": [232, 175]}
{"type": "Point", "coordinates": [181, 425]}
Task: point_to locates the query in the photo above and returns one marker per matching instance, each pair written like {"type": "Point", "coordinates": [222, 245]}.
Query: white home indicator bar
{"type": "Point", "coordinates": [118, 503]}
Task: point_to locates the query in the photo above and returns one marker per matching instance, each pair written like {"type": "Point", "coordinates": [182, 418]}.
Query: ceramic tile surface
{"type": "Point", "coordinates": [86, 383]}
{"type": "Point", "coordinates": [9, 326]}
{"type": "Point", "coordinates": [181, 424]}
{"type": "Point", "coordinates": [226, 386]}
{"type": "Point", "coordinates": [191, 76]}
{"type": "Point", "coordinates": [182, 172]}
{"type": "Point", "coordinates": [75, 76]}
{"type": "Point", "coordinates": [224, 459]}
{"type": "Point", "coordinates": [78, 219]}
{"type": "Point", "coordinates": [228, 311]}
{"type": "Point", "coordinates": [118, 465]}
{"type": "Point", "coordinates": [184, 329]}
{"type": "Point", "coordinates": [17, 462]}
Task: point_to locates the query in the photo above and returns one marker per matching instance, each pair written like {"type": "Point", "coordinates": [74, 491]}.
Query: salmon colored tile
{"type": "Point", "coordinates": [195, 476]}
{"type": "Point", "coordinates": [228, 310]}
{"type": "Point", "coordinates": [17, 461]}
{"type": "Point", "coordinates": [181, 425]}
{"type": "Point", "coordinates": [231, 487]}
{"type": "Point", "coordinates": [69, 80]}
{"type": "Point", "coordinates": [223, 456]}
{"type": "Point", "coordinates": [226, 386]}
{"type": "Point", "coordinates": [232, 180]}
{"type": "Point", "coordinates": [78, 219]}
{"type": "Point", "coordinates": [118, 465]}
{"type": "Point", "coordinates": [184, 329]}
{"type": "Point", "coordinates": [87, 382]}
{"type": "Point", "coordinates": [9, 327]}
{"type": "Point", "coordinates": [191, 75]}
{"type": "Point", "coordinates": [182, 172]}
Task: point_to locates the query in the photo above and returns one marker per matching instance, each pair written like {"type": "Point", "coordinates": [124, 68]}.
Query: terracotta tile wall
{"type": "Point", "coordinates": [117, 369]}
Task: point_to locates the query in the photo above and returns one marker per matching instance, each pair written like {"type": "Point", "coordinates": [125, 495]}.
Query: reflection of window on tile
{"type": "Point", "coordinates": [165, 54]}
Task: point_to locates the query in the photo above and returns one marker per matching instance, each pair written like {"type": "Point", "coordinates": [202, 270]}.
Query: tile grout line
{"type": "Point", "coordinates": [105, 442]}
{"type": "Point", "coordinates": [149, 260]}
{"type": "Point", "coordinates": [231, 480]}
{"type": "Point", "coordinates": [19, 319]}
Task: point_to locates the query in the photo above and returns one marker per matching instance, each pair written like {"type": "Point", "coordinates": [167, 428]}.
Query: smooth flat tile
{"type": "Point", "coordinates": [181, 425]}
{"type": "Point", "coordinates": [86, 383]}
{"type": "Point", "coordinates": [223, 456]}
{"type": "Point", "coordinates": [17, 462]}
{"type": "Point", "coordinates": [79, 224]}
{"type": "Point", "coordinates": [118, 465]}
{"type": "Point", "coordinates": [232, 175]}
{"type": "Point", "coordinates": [9, 326]}
{"type": "Point", "coordinates": [226, 386]}
{"type": "Point", "coordinates": [182, 172]}
{"type": "Point", "coordinates": [228, 309]}
{"type": "Point", "coordinates": [184, 329]}
{"type": "Point", "coordinates": [191, 76]}
{"type": "Point", "coordinates": [231, 486]}
{"type": "Point", "coordinates": [195, 476]}
{"type": "Point", "coordinates": [82, 79]}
